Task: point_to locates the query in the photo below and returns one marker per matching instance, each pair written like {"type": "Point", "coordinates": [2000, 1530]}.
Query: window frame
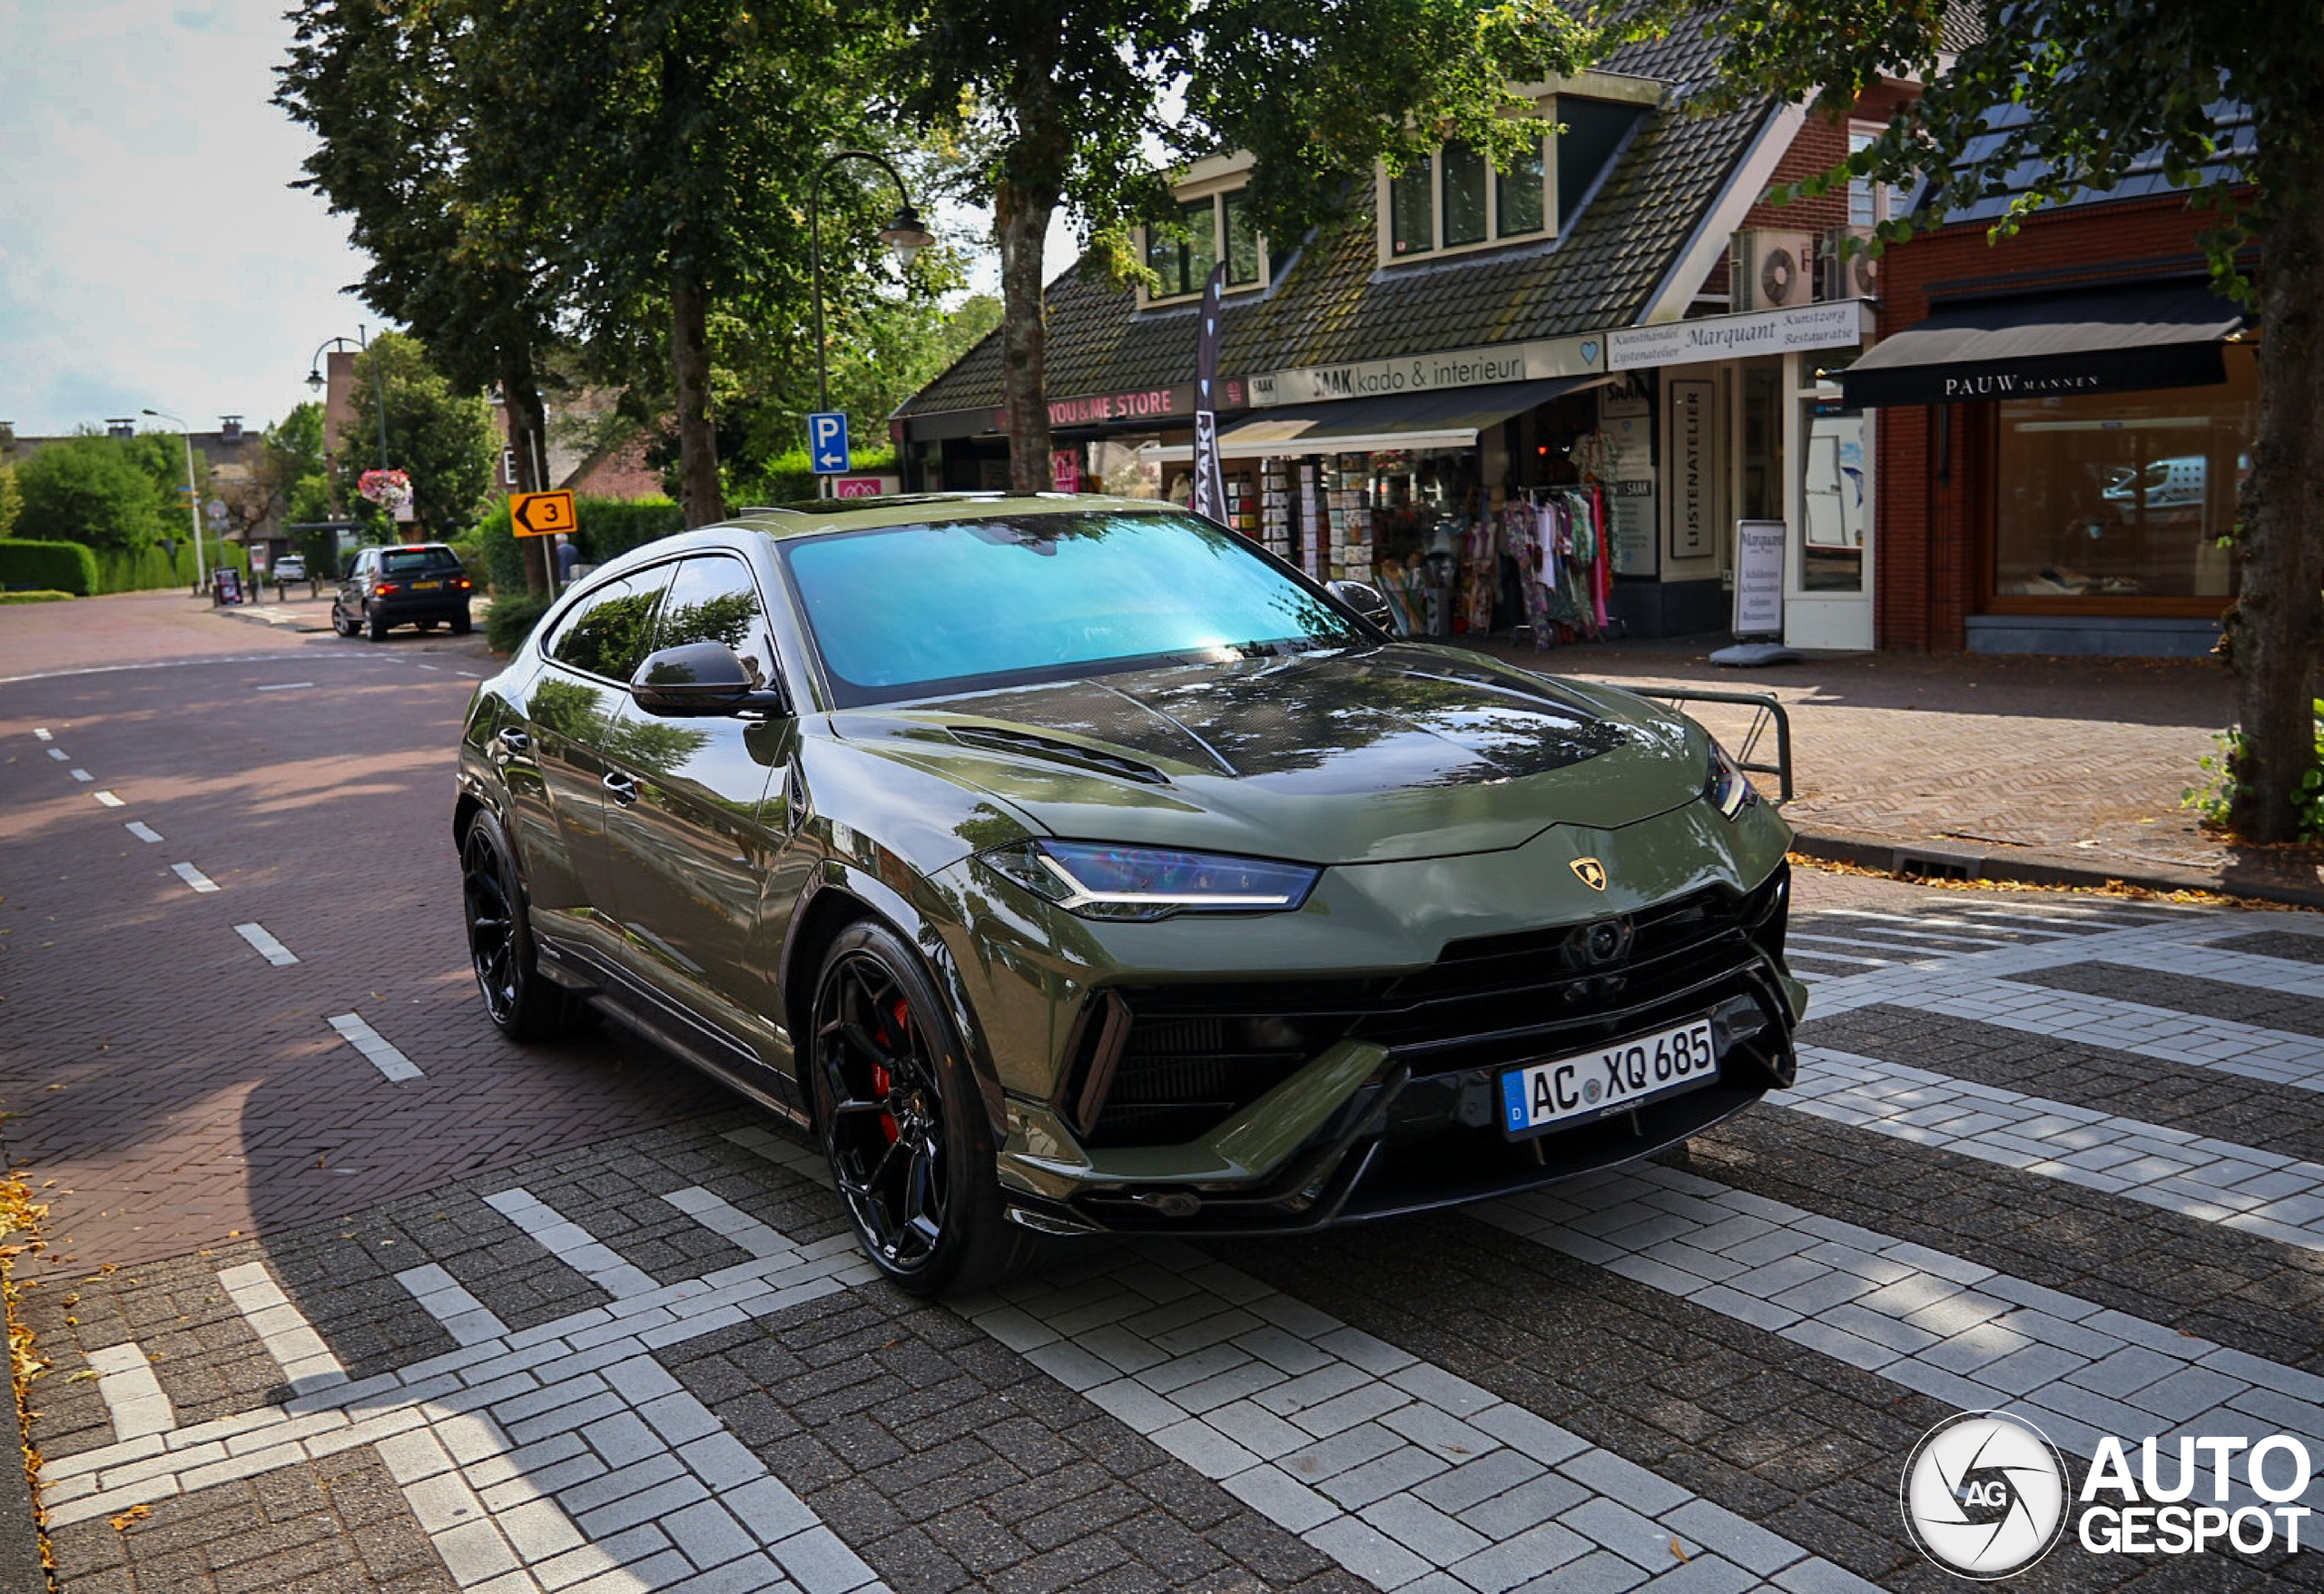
{"type": "Point", "coordinates": [1386, 188]}
{"type": "Point", "coordinates": [1214, 194]}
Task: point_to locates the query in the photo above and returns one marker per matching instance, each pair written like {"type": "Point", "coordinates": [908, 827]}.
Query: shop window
{"type": "Point", "coordinates": [1219, 223]}
{"type": "Point", "coordinates": [1869, 202]}
{"type": "Point", "coordinates": [1453, 198]}
{"type": "Point", "coordinates": [2121, 499]}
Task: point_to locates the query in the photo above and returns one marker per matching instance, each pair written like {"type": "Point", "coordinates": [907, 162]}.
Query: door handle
{"type": "Point", "coordinates": [622, 788]}
{"type": "Point", "coordinates": [514, 740]}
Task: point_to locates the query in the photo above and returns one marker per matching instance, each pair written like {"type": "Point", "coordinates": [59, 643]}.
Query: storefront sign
{"type": "Point", "coordinates": [1692, 487]}
{"type": "Point", "coordinates": [1758, 577]}
{"type": "Point", "coordinates": [1065, 470]}
{"type": "Point", "coordinates": [1629, 397]}
{"type": "Point", "coordinates": [1429, 373]}
{"type": "Point", "coordinates": [1631, 499]}
{"type": "Point", "coordinates": [1143, 404]}
{"type": "Point", "coordinates": [1840, 325]}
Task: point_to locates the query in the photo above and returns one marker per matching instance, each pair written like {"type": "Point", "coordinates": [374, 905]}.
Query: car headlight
{"type": "Point", "coordinates": [1098, 881]}
{"type": "Point", "coordinates": [1725, 787]}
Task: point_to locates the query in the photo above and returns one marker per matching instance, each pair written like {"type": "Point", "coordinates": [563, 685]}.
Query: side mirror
{"type": "Point", "coordinates": [697, 679]}
{"type": "Point", "coordinates": [1366, 599]}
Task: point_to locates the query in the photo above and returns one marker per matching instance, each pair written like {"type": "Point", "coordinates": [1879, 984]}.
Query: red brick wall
{"type": "Point", "coordinates": [1931, 519]}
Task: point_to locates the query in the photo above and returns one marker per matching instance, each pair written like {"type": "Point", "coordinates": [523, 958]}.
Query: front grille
{"type": "Point", "coordinates": [1181, 1059]}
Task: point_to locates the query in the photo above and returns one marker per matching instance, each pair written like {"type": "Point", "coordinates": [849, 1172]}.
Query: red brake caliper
{"type": "Point", "coordinates": [882, 1082]}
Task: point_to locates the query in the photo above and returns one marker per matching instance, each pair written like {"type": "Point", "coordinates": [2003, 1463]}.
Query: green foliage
{"type": "Point", "coordinates": [60, 567]}
{"type": "Point", "coordinates": [511, 619]}
{"type": "Point", "coordinates": [153, 568]}
{"type": "Point", "coordinates": [12, 500]}
{"type": "Point", "coordinates": [444, 438]}
{"type": "Point", "coordinates": [603, 528]}
{"type": "Point", "coordinates": [90, 489]}
{"type": "Point", "coordinates": [790, 477]}
{"type": "Point", "coordinates": [33, 597]}
{"type": "Point", "coordinates": [2214, 798]}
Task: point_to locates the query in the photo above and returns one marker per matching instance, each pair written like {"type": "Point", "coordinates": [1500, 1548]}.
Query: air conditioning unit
{"type": "Point", "coordinates": [1845, 268]}
{"type": "Point", "coordinates": [1767, 269]}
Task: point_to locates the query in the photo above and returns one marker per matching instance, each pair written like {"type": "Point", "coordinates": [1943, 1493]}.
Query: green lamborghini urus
{"type": "Point", "coordinates": [1070, 865]}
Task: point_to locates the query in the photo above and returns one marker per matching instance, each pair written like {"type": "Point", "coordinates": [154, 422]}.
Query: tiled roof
{"type": "Point", "coordinates": [1334, 302]}
{"type": "Point", "coordinates": [2146, 178]}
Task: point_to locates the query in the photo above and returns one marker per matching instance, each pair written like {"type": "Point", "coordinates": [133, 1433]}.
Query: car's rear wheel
{"type": "Point", "coordinates": [375, 627]}
{"type": "Point", "coordinates": [523, 1003]}
{"type": "Point", "coordinates": [902, 1123]}
{"type": "Point", "coordinates": [462, 624]}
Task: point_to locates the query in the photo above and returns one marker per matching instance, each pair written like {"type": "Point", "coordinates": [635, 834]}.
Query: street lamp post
{"type": "Point", "coordinates": [193, 499]}
{"type": "Point", "coordinates": [378, 381]}
{"type": "Point", "coordinates": [903, 234]}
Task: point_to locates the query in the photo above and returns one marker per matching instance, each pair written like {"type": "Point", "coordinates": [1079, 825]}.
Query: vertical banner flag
{"type": "Point", "coordinates": [1210, 483]}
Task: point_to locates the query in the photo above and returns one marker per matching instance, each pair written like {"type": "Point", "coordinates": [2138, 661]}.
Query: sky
{"type": "Point", "coordinates": [152, 253]}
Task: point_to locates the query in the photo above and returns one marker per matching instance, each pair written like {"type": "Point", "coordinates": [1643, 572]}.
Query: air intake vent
{"type": "Point", "coordinates": [1029, 744]}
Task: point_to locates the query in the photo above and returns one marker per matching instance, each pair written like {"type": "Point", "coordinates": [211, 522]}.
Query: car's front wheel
{"type": "Point", "coordinates": [902, 1123]}
{"type": "Point", "coordinates": [525, 1004]}
{"type": "Point", "coordinates": [340, 620]}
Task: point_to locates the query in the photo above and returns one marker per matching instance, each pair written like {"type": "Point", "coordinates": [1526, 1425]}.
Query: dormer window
{"type": "Point", "coordinates": [1214, 223]}
{"type": "Point", "coordinates": [1454, 199]}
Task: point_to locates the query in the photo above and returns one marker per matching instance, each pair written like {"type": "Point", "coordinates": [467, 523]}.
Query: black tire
{"type": "Point", "coordinates": [339, 621]}
{"type": "Point", "coordinates": [902, 1122]}
{"type": "Point", "coordinates": [462, 624]}
{"type": "Point", "coordinates": [425, 626]}
{"type": "Point", "coordinates": [523, 1003]}
{"type": "Point", "coordinates": [375, 628]}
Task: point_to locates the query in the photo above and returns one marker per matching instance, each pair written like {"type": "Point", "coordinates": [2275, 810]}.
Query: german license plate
{"type": "Point", "coordinates": [1565, 1091]}
{"type": "Point", "coordinates": [425, 585]}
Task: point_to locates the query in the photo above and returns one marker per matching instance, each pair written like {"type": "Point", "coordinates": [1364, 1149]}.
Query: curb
{"type": "Point", "coordinates": [1911, 862]}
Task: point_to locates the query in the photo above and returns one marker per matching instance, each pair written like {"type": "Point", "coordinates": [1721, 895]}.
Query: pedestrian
{"type": "Point", "coordinates": [567, 556]}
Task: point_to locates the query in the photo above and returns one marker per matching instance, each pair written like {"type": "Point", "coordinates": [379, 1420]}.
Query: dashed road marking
{"type": "Point", "coordinates": [262, 941]}
{"type": "Point", "coordinates": [83, 775]}
{"type": "Point", "coordinates": [282, 687]}
{"type": "Point", "coordinates": [307, 1363]}
{"type": "Point", "coordinates": [133, 1395]}
{"type": "Point", "coordinates": [570, 1243]}
{"type": "Point", "coordinates": [193, 877]}
{"type": "Point", "coordinates": [60, 755]}
{"type": "Point", "coordinates": [39, 732]}
{"type": "Point", "coordinates": [108, 799]}
{"type": "Point", "coordinates": [374, 1045]}
{"type": "Point", "coordinates": [142, 831]}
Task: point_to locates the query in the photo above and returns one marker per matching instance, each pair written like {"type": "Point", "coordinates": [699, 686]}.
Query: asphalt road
{"type": "Point", "coordinates": [344, 1293]}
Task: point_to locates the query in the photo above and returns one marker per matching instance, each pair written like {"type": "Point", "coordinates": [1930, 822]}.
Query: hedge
{"type": "Point", "coordinates": [606, 526]}
{"type": "Point", "coordinates": [48, 567]}
{"type": "Point", "coordinates": [148, 569]}
{"type": "Point", "coordinates": [35, 597]}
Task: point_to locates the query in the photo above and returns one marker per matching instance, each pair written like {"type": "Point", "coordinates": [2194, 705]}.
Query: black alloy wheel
{"type": "Point", "coordinates": [526, 1005]}
{"type": "Point", "coordinates": [902, 1122]}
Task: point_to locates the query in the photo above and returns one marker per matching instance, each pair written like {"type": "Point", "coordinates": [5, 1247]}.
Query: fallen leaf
{"type": "Point", "coordinates": [136, 1513]}
{"type": "Point", "coordinates": [1679, 1550]}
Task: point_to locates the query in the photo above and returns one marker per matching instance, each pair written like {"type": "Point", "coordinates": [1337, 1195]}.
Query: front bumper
{"type": "Point", "coordinates": [1241, 1102]}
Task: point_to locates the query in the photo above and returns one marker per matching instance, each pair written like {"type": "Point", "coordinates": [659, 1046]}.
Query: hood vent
{"type": "Point", "coordinates": [1029, 744]}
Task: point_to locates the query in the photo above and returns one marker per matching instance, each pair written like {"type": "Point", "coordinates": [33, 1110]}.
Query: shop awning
{"type": "Point", "coordinates": [2098, 341]}
{"type": "Point", "coordinates": [1450, 417]}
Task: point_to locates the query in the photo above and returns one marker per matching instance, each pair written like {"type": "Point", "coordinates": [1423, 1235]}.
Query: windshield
{"type": "Point", "coordinates": [417, 561]}
{"type": "Point", "coordinates": [918, 611]}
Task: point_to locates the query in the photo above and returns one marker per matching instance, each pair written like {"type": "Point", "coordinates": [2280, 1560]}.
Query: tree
{"type": "Point", "coordinates": [443, 438]}
{"type": "Point", "coordinates": [92, 490]}
{"type": "Point", "coordinates": [392, 93]}
{"type": "Point", "coordinates": [12, 500]}
{"type": "Point", "coordinates": [1068, 99]}
{"type": "Point", "coordinates": [2111, 84]}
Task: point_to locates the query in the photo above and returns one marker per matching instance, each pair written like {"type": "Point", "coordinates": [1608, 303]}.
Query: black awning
{"type": "Point", "coordinates": [2097, 341]}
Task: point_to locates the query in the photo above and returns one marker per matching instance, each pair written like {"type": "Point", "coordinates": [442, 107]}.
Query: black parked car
{"type": "Point", "coordinates": [418, 584]}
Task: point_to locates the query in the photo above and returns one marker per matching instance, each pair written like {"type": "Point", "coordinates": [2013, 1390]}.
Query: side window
{"type": "Point", "coordinates": [611, 633]}
{"type": "Point", "coordinates": [713, 599]}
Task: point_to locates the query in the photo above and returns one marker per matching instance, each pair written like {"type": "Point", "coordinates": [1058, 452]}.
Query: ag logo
{"type": "Point", "coordinates": [1984, 1495]}
{"type": "Point", "coordinates": [1592, 872]}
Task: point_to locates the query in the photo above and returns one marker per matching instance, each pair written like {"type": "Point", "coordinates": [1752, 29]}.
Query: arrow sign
{"type": "Point", "coordinates": [827, 441]}
{"type": "Point", "coordinates": [540, 513]}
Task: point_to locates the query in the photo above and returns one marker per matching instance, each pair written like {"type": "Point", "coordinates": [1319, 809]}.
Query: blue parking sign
{"type": "Point", "coordinates": [827, 441]}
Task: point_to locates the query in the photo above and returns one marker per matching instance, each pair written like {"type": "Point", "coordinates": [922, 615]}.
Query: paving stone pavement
{"type": "Point", "coordinates": [577, 1321]}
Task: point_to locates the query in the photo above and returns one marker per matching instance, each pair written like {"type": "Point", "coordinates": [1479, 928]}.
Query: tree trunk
{"type": "Point", "coordinates": [1024, 198]}
{"type": "Point", "coordinates": [527, 419]}
{"type": "Point", "coordinates": [2279, 617]}
{"type": "Point", "coordinates": [698, 492]}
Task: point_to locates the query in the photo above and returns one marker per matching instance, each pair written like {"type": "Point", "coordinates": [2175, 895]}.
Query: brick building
{"type": "Point", "coordinates": [2063, 418]}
